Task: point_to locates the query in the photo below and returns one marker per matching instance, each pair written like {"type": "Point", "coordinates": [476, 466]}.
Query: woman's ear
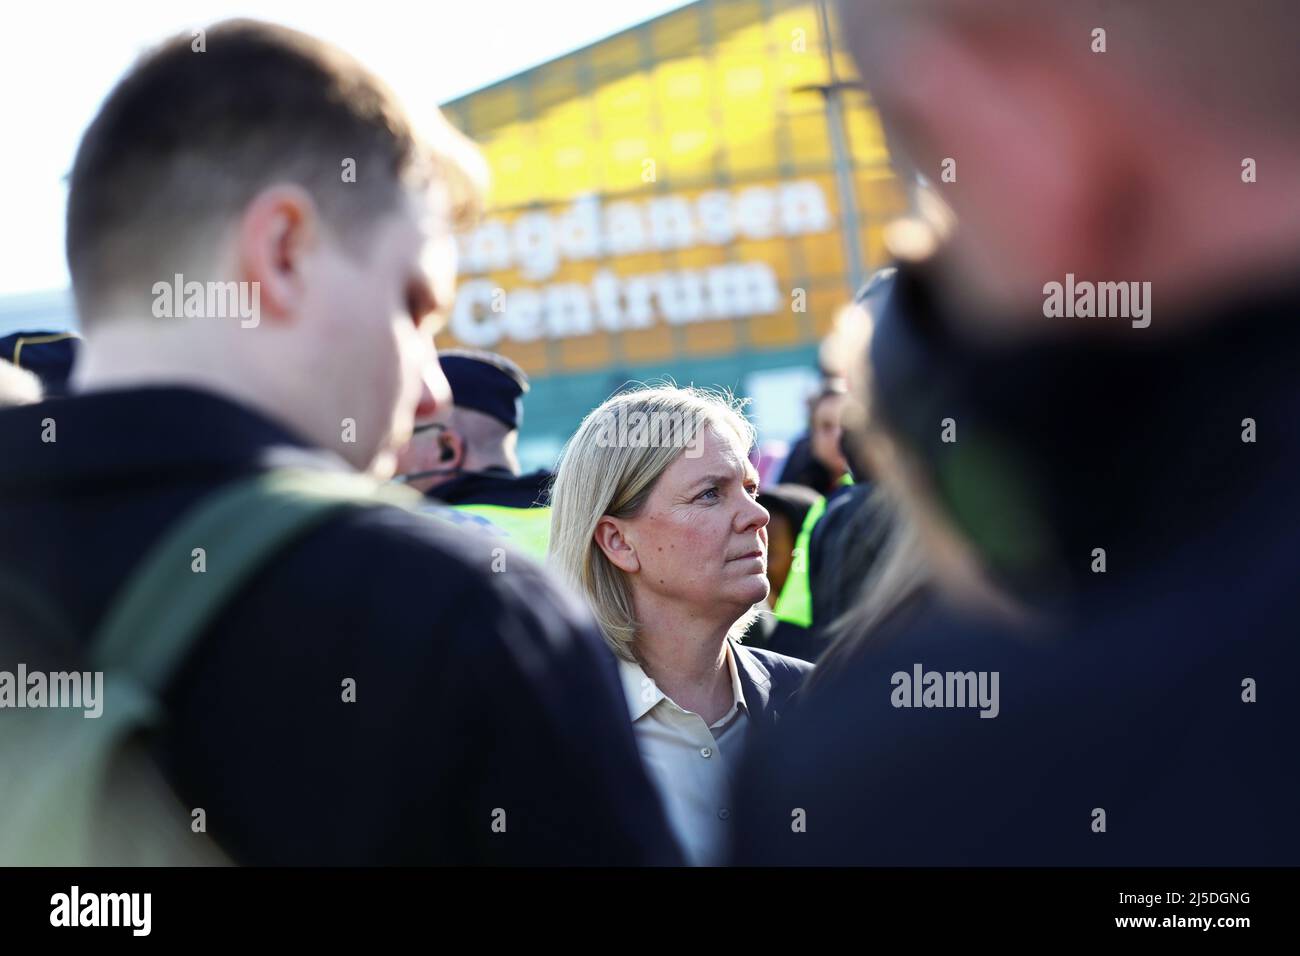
{"type": "Point", "coordinates": [610, 538]}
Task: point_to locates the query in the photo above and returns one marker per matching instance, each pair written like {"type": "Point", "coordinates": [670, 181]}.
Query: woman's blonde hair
{"type": "Point", "coordinates": [609, 467]}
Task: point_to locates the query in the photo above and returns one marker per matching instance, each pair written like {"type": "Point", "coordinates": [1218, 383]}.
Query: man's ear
{"type": "Point", "coordinates": [610, 538]}
{"type": "Point", "coordinates": [451, 449]}
{"type": "Point", "coordinates": [278, 230]}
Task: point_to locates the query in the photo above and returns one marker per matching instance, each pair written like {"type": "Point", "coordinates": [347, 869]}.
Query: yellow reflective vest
{"type": "Point", "coordinates": [528, 529]}
{"type": "Point", "coordinates": [794, 603]}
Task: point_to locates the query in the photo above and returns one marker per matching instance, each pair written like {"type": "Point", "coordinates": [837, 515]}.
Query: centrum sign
{"type": "Point", "coordinates": [536, 243]}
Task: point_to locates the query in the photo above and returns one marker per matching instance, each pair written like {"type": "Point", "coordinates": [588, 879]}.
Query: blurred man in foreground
{"type": "Point", "coordinates": [1129, 473]}
{"type": "Point", "coordinates": [374, 694]}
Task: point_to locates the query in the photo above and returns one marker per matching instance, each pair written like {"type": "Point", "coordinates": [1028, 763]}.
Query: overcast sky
{"type": "Point", "coordinates": [59, 59]}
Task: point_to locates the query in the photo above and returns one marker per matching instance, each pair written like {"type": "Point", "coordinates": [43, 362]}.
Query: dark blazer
{"type": "Point", "coordinates": [475, 691]}
{"type": "Point", "coordinates": [770, 682]}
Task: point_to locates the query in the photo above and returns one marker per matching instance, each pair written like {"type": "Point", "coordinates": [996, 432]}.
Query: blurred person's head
{"type": "Point", "coordinates": [480, 429]}
{"type": "Point", "coordinates": [661, 530]}
{"type": "Point", "coordinates": [272, 170]}
{"type": "Point", "coordinates": [788, 505]}
{"type": "Point", "coordinates": [903, 543]}
{"type": "Point", "coordinates": [825, 429]}
{"type": "Point", "coordinates": [1122, 165]}
{"type": "Point", "coordinates": [18, 386]}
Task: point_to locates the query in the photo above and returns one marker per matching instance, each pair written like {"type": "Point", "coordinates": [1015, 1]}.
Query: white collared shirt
{"type": "Point", "coordinates": [691, 764]}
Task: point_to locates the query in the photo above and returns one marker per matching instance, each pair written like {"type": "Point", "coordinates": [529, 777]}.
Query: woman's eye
{"type": "Point", "coordinates": [708, 491]}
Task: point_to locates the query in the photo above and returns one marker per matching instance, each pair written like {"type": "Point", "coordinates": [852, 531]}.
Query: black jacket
{"type": "Point", "coordinates": [844, 546]}
{"type": "Point", "coordinates": [1132, 709]}
{"type": "Point", "coordinates": [496, 486]}
{"type": "Point", "coordinates": [475, 691]}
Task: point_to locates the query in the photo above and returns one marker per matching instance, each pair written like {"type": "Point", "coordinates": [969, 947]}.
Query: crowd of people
{"type": "Point", "coordinates": [1024, 593]}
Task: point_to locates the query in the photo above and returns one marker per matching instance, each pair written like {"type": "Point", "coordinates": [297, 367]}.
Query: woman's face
{"type": "Point", "coordinates": [701, 538]}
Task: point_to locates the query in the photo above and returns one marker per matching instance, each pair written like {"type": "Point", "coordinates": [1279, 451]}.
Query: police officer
{"type": "Point", "coordinates": [465, 456]}
{"type": "Point", "coordinates": [47, 355]}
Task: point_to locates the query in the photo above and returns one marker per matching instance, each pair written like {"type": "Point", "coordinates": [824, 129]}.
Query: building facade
{"type": "Point", "coordinates": [693, 198]}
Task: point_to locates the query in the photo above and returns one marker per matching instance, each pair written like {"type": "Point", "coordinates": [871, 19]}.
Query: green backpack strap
{"type": "Point", "coordinates": [83, 793]}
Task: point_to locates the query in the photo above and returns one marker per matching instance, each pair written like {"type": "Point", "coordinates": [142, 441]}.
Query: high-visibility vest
{"type": "Point", "coordinates": [794, 603]}
{"type": "Point", "coordinates": [529, 529]}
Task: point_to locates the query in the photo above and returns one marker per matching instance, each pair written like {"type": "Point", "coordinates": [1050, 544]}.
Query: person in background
{"type": "Point", "coordinates": [828, 474]}
{"type": "Point", "coordinates": [788, 506]}
{"type": "Point", "coordinates": [667, 542]}
{"type": "Point", "coordinates": [1131, 478]}
{"type": "Point", "coordinates": [48, 355]}
{"type": "Point", "coordinates": [465, 456]}
{"type": "Point", "coordinates": [817, 461]}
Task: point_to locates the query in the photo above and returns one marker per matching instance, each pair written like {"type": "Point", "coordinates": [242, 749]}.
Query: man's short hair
{"type": "Point", "coordinates": [187, 138]}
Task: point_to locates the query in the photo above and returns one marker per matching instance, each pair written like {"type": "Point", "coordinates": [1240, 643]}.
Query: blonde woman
{"type": "Point", "coordinates": [654, 520]}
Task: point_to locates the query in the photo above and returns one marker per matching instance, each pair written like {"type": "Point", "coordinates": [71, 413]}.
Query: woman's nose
{"type": "Point", "coordinates": [753, 515]}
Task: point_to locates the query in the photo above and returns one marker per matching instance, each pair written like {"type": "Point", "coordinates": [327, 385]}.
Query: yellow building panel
{"type": "Point", "coordinates": [823, 255]}
{"type": "Point", "coordinates": [702, 256]}
{"type": "Point", "coordinates": [809, 133]}
{"type": "Point", "coordinates": [493, 108]}
{"type": "Point", "coordinates": [797, 30]}
{"type": "Point", "coordinates": [743, 81]}
{"type": "Point", "coordinates": [710, 338]}
{"type": "Point", "coordinates": [625, 104]}
{"type": "Point", "coordinates": [530, 356]}
{"type": "Point", "coordinates": [801, 70]}
{"type": "Point", "coordinates": [739, 25]}
{"type": "Point", "coordinates": [682, 86]}
{"type": "Point", "coordinates": [648, 345]}
{"type": "Point", "coordinates": [774, 331]}
{"type": "Point", "coordinates": [616, 55]}
{"type": "Point", "coordinates": [514, 180]}
{"type": "Point", "coordinates": [691, 151]}
{"type": "Point", "coordinates": [677, 34]}
{"type": "Point", "coordinates": [639, 264]}
{"type": "Point", "coordinates": [775, 252]}
{"type": "Point", "coordinates": [873, 246]}
{"type": "Point", "coordinates": [582, 352]}
{"type": "Point", "coordinates": [571, 118]}
{"type": "Point", "coordinates": [823, 305]}
{"type": "Point", "coordinates": [556, 84]}
{"type": "Point", "coordinates": [865, 135]}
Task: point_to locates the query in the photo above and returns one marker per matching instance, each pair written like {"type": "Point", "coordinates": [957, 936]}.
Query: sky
{"type": "Point", "coordinates": [59, 59]}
